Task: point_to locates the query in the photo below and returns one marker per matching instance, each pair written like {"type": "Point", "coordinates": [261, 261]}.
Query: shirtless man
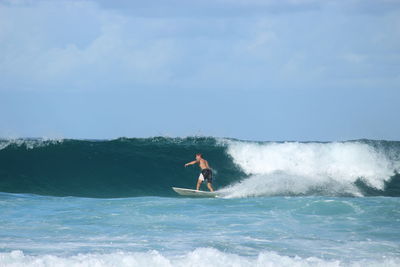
{"type": "Point", "coordinates": [205, 174]}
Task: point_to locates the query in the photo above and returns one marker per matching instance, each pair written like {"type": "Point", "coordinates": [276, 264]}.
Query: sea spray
{"type": "Point", "coordinates": [309, 168]}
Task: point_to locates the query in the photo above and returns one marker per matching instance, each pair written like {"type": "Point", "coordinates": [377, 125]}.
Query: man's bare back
{"type": "Point", "coordinates": [203, 164]}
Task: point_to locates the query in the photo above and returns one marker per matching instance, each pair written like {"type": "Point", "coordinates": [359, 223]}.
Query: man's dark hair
{"type": "Point", "coordinates": [199, 154]}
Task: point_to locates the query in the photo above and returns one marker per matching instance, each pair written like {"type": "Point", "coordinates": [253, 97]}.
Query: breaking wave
{"type": "Point", "coordinates": [127, 167]}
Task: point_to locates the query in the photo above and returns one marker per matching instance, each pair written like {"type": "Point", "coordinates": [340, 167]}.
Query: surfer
{"type": "Point", "coordinates": [205, 174]}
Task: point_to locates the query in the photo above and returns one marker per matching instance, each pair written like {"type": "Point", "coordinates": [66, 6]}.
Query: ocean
{"type": "Point", "coordinates": [109, 203]}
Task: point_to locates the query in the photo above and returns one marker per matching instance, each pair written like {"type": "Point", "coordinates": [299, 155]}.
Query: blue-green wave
{"type": "Point", "coordinates": [128, 167]}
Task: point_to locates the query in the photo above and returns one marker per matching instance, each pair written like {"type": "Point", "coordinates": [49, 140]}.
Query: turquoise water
{"type": "Point", "coordinates": [279, 230]}
{"type": "Point", "coordinates": [110, 203]}
{"type": "Point", "coordinates": [150, 166]}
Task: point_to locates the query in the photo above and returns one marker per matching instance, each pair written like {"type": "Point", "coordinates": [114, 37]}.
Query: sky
{"type": "Point", "coordinates": [305, 70]}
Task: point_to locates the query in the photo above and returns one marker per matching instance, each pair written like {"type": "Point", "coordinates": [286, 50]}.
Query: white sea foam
{"type": "Point", "coordinates": [28, 143]}
{"type": "Point", "coordinates": [301, 168]}
{"type": "Point", "coordinates": [207, 257]}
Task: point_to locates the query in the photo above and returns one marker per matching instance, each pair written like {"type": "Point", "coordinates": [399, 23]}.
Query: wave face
{"type": "Point", "coordinates": [150, 166]}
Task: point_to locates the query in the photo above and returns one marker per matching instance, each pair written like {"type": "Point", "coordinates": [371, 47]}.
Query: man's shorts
{"type": "Point", "coordinates": [206, 174]}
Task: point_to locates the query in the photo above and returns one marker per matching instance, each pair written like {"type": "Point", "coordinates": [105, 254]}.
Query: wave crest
{"type": "Point", "coordinates": [309, 168]}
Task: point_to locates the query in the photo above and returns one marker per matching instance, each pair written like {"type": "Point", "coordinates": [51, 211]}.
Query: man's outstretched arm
{"type": "Point", "coordinates": [191, 163]}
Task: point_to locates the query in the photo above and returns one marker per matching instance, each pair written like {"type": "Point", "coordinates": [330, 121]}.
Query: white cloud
{"type": "Point", "coordinates": [81, 45]}
{"type": "Point", "coordinates": [115, 56]}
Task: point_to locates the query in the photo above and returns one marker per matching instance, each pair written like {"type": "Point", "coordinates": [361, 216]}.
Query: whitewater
{"type": "Point", "coordinates": [109, 203]}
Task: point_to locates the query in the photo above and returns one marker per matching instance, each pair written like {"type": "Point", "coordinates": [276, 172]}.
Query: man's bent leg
{"type": "Point", "coordinates": [199, 181]}
{"type": "Point", "coordinates": [210, 187]}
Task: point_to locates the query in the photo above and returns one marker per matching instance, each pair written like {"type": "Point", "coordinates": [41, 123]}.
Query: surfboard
{"type": "Point", "coordinates": [193, 193]}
